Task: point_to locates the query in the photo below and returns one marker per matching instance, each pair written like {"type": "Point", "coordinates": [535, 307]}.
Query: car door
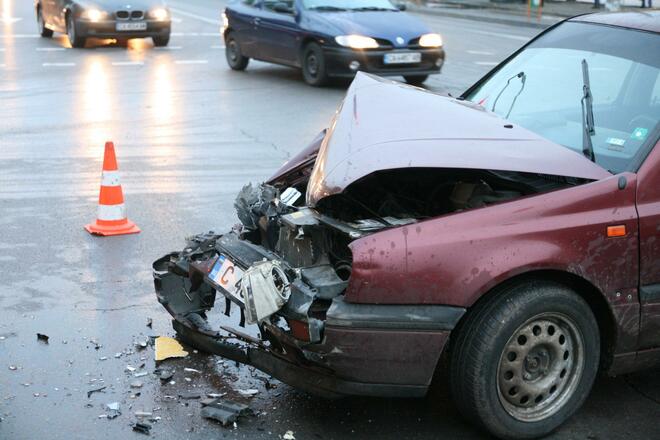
{"type": "Point", "coordinates": [242, 17]}
{"type": "Point", "coordinates": [278, 33]}
{"type": "Point", "coordinates": [648, 207]}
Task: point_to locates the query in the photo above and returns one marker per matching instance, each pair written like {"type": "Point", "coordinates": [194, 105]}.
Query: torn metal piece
{"type": "Point", "coordinates": [96, 390]}
{"type": "Point", "coordinates": [265, 287]}
{"type": "Point", "coordinates": [142, 428]}
{"type": "Point", "coordinates": [167, 348]}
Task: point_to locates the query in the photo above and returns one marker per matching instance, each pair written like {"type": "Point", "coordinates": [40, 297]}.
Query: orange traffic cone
{"type": "Point", "coordinates": [111, 218]}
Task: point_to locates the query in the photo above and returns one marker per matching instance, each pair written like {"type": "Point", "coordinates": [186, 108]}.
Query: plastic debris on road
{"type": "Point", "coordinates": [42, 338]}
{"type": "Point", "coordinates": [224, 411]}
{"type": "Point", "coordinates": [112, 410]}
{"type": "Point", "coordinates": [167, 348]}
{"type": "Point", "coordinates": [288, 436]}
{"type": "Point", "coordinates": [249, 392]}
{"type": "Point", "coordinates": [142, 428]}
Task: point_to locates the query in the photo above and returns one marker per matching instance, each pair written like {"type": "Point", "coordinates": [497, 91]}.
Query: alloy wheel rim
{"type": "Point", "coordinates": [312, 64]}
{"type": "Point", "coordinates": [540, 367]}
{"type": "Point", "coordinates": [233, 51]}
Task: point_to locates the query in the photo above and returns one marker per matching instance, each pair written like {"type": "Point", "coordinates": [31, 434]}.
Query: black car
{"type": "Point", "coordinates": [332, 38]}
{"type": "Point", "coordinates": [104, 19]}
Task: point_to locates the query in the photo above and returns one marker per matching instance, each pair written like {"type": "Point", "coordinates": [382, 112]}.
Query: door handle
{"type": "Point", "coordinates": [256, 21]}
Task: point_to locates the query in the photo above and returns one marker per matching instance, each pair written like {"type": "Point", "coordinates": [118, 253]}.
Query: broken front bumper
{"type": "Point", "coordinates": [350, 349]}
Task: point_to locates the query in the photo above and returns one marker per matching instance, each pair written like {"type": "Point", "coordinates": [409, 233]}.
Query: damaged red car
{"type": "Point", "coordinates": [512, 233]}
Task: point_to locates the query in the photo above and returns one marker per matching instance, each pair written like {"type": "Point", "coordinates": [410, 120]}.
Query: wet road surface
{"type": "Point", "coordinates": [189, 133]}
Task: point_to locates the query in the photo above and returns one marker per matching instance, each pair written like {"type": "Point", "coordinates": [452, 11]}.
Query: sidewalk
{"type": "Point", "coordinates": [511, 13]}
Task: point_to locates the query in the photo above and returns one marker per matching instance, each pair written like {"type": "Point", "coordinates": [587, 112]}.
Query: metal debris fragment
{"type": "Point", "coordinates": [95, 390]}
{"type": "Point", "coordinates": [113, 410]}
{"type": "Point", "coordinates": [224, 411]}
{"type": "Point", "coordinates": [42, 337]}
{"type": "Point", "coordinates": [142, 428]}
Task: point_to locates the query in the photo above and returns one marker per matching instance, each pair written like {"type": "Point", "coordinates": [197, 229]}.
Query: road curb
{"type": "Point", "coordinates": [498, 20]}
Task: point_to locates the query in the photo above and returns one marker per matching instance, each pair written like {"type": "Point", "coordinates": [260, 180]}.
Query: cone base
{"type": "Point", "coordinates": [104, 230]}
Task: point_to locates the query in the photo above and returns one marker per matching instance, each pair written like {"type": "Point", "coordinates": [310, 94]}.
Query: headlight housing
{"type": "Point", "coordinates": [356, 41]}
{"type": "Point", "coordinates": [93, 14]}
{"type": "Point", "coordinates": [160, 14]}
{"type": "Point", "coordinates": [430, 40]}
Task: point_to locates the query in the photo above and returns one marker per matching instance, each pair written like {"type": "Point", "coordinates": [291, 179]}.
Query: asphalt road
{"type": "Point", "coordinates": [189, 133]}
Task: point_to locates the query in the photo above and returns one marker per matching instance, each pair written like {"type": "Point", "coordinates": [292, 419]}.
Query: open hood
{"type": "Point", "coordinates": [385, 125]}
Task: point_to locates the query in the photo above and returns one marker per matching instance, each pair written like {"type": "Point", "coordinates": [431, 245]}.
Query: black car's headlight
{"type": "Point", "coordinates": [356, 41]}
{"type": "Point", "coordinates": [430, 40]}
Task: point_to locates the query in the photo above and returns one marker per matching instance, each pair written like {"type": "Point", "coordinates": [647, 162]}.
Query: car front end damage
{"type": "Point", "coordinates": [338, 269]}
{"type": "Point", "coordinates": [309, 335]}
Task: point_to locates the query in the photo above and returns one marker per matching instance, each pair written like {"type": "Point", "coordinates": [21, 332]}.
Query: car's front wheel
{"type": "Point", "coordinates": [235, 58]}
{"type": "Point", "coordinates": [41, 25]}
{"type": "Point", "coordinates": [313, 65]}
{"type": "Point", "coordinates": [415, 80]}
{"type": "Point", "coordinates": [72, 33]}
{"type": "Point", "coordinates": [161, 40]}
{"type": "Point", "coordinates": [525, 360]}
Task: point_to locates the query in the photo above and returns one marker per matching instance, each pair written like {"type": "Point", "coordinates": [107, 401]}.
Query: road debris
{"type": "Point", "coordinates": [248, 392]}
{"type": "Point", "coordinates": [191, 370]}
{"type": "Point", "coordinates": [13, 367]}
{"type": "Point", "coordinates": [167, 348]}
{"type": "Point", "coordinates": [140, 374]}
{"type": "Point", "coordinates": [143, 414]}
{"type": "Point", "coordinates": [130, 368]}
{"type": "Point", "coordinates": [288, 436]}
{"type": "Point", "coordinates": [141, 344]}
{"type": "Point", "coordinates": [142, 428]}
{"type": "Point", "coordinates": [95, 390]}
{"type": "Point", "coordinates": [188, 395]}
{"type": "Point", "coordinates": [42, 338]}
{"type": "Point", "coordinates": [113, 410]}
{"type": "Point", "coordinates": [164, 375]}
{"type": "Point", "coordinates": [136, 384]}
{"type": "Point", "coordinates": [150, 322]}
{"type": "Point", "coordinates": [224, 411]}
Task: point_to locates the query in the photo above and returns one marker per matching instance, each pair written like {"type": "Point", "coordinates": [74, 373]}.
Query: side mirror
{"type": "Point", "coordinates": [282, 8]}
{"type": "Point", "coordinates": [401, 6]}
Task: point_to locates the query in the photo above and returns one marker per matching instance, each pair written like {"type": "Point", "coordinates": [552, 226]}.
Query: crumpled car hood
{"type": "Point", "coordinates": [384, 125]}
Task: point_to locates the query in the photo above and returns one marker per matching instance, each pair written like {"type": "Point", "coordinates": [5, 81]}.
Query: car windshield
{"type": "Point", "coordinates": [542, 89]}
{"type": "Point", "coordinates": [350, 5]}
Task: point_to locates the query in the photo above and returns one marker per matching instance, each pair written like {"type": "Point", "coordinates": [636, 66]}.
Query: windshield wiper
{"type": "Point", "coordinates": [588, 127]}
{"type": "Point", "coordinates": [373, 8]}
{"type": "Point", "coordinates": [326, 8]}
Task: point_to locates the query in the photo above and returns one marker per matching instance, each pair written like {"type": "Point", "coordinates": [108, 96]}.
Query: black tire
{"type": "Point", "coordinates": [161, 40]}
{"type": "Point", "coordinates": [415, 80]}
{"type": "Point", "coordinates": [313, 65]}
{"type": "Point", "coordinates": [233, 53]}
{"type": "Point", "coordinates": [44, 32]}
{"type": "Point", "coordinates": [74, 39]}
{"type": "Point", "coordinates": [497, 346]}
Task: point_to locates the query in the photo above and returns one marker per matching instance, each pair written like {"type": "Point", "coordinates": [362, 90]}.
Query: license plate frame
{"type": "Point", "coordinates": [131, 26]}
{"type": "Point", "coordinates": [402, 58]}
{"type": "Point", "coordinates": [226, 274]}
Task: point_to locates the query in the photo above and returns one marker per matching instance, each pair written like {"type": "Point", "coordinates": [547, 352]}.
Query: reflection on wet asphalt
{"type": "Point", "coordinates": [189, 133]}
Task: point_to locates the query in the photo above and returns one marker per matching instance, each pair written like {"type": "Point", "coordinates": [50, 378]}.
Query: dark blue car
{"type": "Point", "coordinates": [332, 38]}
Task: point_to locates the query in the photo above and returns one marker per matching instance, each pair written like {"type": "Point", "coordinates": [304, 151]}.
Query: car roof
{"type": "Point", "coordinates": [644, 21]}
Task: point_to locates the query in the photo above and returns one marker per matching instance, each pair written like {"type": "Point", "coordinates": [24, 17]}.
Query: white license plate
{"type": "Point", "coordinates": [402, 58]}
{"type": "Point", "coordinates": [136, 26]}
{"type": "Point", "coordinates": [227, 275]}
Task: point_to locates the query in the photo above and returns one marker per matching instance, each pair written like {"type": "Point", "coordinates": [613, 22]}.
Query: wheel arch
{"type": "Point", "coordinates": [304, 41]}
{"type": "Point", "coordinates": [581, 286]}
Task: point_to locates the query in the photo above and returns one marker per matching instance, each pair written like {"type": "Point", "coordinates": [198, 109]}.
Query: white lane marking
{"type": "Point", "coordinates": [485, 63]}
{"type": "Point", "coordinates": [9, 20]}
{"type": "Point", "coordinates": [50, 49]}
{"type": "Point", "coordinates": [58, 64]}
{"type": "Point", "coordinates": [11, 36]}
{"type": "Point", "coordinates": [480, 52]}
{"type": "Point", "coordinates": [195, 16]}
{"type": "Point", "coordinates": [217, 47]}
{"type": "Point", "coordinates": [127, 63]}
{"type": "Point", "coordinates": [168, 48]}
{"type": "Point", "coordinates": [498, 34]}
{"type": "Point", "coordinates": [191, 61]}
{"type": "Point", "coordinates": [176, 20]}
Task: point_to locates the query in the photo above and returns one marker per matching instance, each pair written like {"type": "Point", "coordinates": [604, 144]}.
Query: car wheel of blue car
{"type": "Point", "coordinates": [74, 39]}
{"type": "Point", "coordinates": [313, 65]}
{"type": "Point", "coordinates": [235, 58]}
